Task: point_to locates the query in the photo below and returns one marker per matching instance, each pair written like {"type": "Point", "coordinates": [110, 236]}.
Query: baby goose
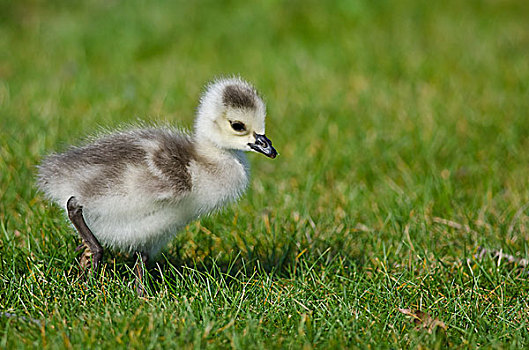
{"type": "Point", "coordinates": [133, 190]}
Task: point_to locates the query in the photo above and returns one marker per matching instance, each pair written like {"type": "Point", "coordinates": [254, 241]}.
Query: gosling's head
{"type": "Point", "coordinates": [231, 115]}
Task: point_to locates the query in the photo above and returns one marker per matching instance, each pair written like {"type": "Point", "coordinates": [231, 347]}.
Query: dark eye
{"type": "Point", "coordinates": [237, 126]}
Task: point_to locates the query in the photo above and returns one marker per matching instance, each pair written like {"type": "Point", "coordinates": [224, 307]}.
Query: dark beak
{"type": "Point", "coordinates": [263, 145]}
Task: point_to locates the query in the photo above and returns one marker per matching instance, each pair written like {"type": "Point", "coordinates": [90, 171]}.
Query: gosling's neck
{"type": "Point", "coordinates": [208, 150]}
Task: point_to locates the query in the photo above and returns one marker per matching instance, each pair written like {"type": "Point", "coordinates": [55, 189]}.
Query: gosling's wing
{"type": "Point", "coordinates": [168, 155]}
{"type": "Point", "coordinates": [137, 164]}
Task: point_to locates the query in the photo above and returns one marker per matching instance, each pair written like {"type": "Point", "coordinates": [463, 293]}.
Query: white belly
{"type": "Point", "coordinates": [138, 225]}
{"type": "Point", "coordinates": [147, 225]}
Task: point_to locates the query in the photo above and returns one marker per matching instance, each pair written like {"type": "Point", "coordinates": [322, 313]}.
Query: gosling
{"type": "Point", "coordinates": [133, 190]}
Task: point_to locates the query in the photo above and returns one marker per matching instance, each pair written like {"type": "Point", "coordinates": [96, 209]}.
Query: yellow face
{"type": "Point", "coordinates": [232, 116]}
{"type": "Point", "coordinates": [243, 129]}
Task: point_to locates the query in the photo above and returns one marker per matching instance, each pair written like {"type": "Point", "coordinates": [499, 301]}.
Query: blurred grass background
{"type": "Point", "coordinates": [403, 133]}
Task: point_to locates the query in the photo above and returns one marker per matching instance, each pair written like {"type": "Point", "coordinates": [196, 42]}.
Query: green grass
{"type": "Point", "coordinates": [403, 133]}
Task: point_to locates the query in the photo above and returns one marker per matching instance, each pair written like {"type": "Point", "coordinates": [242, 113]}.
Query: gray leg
{"type": "Point", "coordinates": [139, 272]}
{"type": "Point", "coordinates": [75, 213]}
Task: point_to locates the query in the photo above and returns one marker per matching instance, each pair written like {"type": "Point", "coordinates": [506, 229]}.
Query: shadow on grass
{"type": "Point", "coordinates": [174, 270]}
